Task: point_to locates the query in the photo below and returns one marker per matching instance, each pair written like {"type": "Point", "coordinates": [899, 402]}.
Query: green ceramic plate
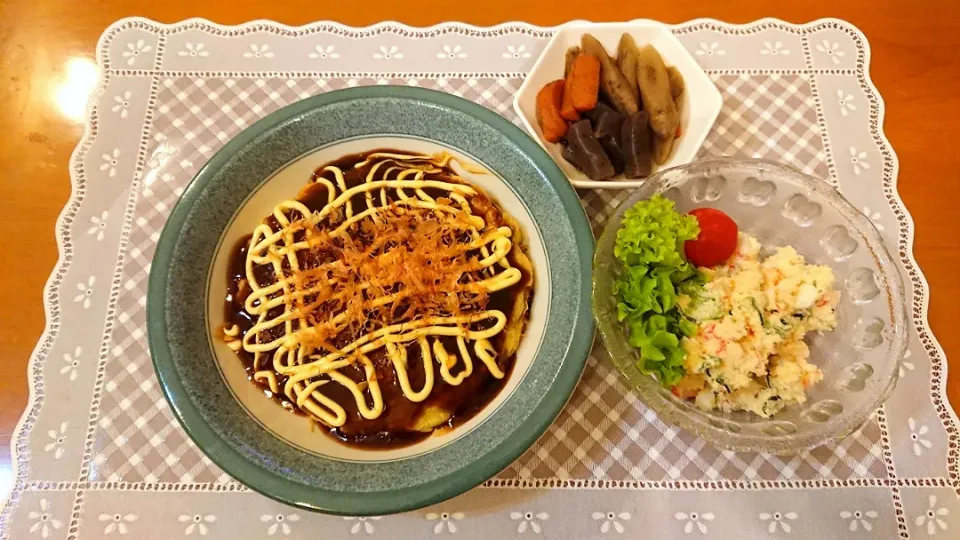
{"type": "Point", "coordinates": [274, 452]}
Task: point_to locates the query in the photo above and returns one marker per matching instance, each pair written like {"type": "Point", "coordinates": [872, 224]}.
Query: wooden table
{"type": "Point", "coordinates": [915, 65]}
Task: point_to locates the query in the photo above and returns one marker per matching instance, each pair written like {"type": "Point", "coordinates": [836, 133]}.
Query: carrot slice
{"type": "Point", "coordinates": [585, 82]}
{"type": "Point", "coordinates": [549, 101]}
{"type": "Point", "coordinates": [567, 110]}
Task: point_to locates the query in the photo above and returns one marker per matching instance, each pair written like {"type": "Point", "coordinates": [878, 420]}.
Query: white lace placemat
{"type": "Point", "coordinates": [98, 453]}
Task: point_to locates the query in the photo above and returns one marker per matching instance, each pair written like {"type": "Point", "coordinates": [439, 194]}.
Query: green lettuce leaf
{"type": "Point", "coordinates": [650, 247]}
{"type": "Point", "coordinates": [654, 232]}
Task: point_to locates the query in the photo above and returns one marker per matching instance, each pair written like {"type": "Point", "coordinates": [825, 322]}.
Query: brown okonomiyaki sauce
{"type": "Point", "coordinates": [392, 429]}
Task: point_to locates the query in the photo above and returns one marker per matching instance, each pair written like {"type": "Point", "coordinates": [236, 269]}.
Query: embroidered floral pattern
{"type": "Point", "coordinates": [611, 521]}
{"type": "Point", "coordinates": [918, 434]}
{"type": "Point", "coordinates": [85, 292]}
{"type": "Point", "coordinates": [932, 520]}
{"type": "Point", "coordinates": [364, 524]}
{"type": "Point", "coordinates": [324, 52]}
{"type": "Point", "coordinates": [258, 51]}
{"type": "Point", "coordinates": [135, 50]}
{"type": "Point", "coordinates": [831, 49]}
{"type": "Point", "coordinates": [191, 49]}
{"type": "Point", "coordinates": [529, 519]}
{"type": "Point", "coordinates": [451, 52]}
{"type": "Point", "coordinates": [858, 160]}
{"type": "Point", "coordinates": [845, 101]}
{"type": "Point", "coordinates": [57, 438]}
{"type": "Point", "coordinates": [388, 53]}
{"type": "Point", "coordinates": [906, 365]}
{"type": "Point", "coordinates": [773, 49]}
{"type": "Point", "coordinates": [710, 49]}
{"type": "Point", "coordinates": [694, 520]}
{"type": "Point", "coordinates": [445, 521]}
{"type": "Point", "coordinates": [43, 520]}
{"type": "Point", "coordinates": [874, 217]}
{"type": "Point", "coordinates": [117, 522]}
{"type": "Point", "coordinates": [71, 363]}
{"type": "Point", "coordinates": [859, 519]}
{"type": "Point", "coordinates": [279, 523]}
{"type": "Point", "coordinates": [778, 520]}
{"type": "Point", "coordinates": [110, 162]}
{"type": "Point", "coordinates": [197, 523]}
{"type": "Point", "coordinates": [121, 103]}
{"type": "Point", "coordinates": [98, 225]}
{"type": "Point", "coordinates": [516, 52]}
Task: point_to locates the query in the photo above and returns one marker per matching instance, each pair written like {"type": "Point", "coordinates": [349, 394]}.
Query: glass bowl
{"type": "Point", "coordinates": [779, 206]}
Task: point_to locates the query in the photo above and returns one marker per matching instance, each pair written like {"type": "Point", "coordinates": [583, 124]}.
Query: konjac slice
{"type": "Point", "coordinates": [611, 147]}
{"type": "Point", "coordinates": [615, 159]}
{"type": "Point", "coordinates": [608, 123]}
{"type": "Point", "coordinates": [635, 146]}
{"type": "Point", "coordinates": [588, 153]}
{"type": "Point", "coordinates": [595, 113]}
{"type": "Point", "coordinates": [608, 129]}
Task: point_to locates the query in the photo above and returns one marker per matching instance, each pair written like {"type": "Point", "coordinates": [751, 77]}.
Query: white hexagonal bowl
{"type": "Point", "coordinates": [702, 100]}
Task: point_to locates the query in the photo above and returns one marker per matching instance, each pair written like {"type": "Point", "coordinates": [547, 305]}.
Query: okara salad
{"type": "Point", "coordinates": [713, 322]}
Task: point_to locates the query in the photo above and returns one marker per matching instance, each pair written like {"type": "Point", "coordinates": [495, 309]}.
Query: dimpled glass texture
{"type": "Point", "coordinates": [780, 206]}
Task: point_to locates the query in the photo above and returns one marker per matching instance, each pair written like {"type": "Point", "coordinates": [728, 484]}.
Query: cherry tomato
{"type": "Point", "coordinates": [717, 239]}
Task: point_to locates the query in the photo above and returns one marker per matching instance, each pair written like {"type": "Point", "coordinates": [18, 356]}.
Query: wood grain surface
{"type": "Point", "coordinates": [915, 65]}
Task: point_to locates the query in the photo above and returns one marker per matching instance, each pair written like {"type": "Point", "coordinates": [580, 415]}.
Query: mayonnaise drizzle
{"type": "Point", "coordinates": [310, 372]}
